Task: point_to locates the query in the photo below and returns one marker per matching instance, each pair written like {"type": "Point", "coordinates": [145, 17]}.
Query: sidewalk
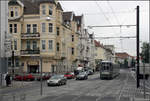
{"type": "Point", "coordinates": [16, 84]}
{"type": "Point", "coordinates": [136, 94]}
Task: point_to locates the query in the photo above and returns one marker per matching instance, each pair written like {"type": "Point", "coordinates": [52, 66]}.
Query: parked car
{"type": "Point", "coordinates": [57, 80]}
{"type": "Point", "coordinates": [69, 75]}
{"type": "Point", "coordinates": [26, 77]}
{"type": "Point", "coordinates": [90, 72]}
{"type": "Point", "coordinates": [45, 76]}
{"type": "Point", "coordinates": [82, 76]}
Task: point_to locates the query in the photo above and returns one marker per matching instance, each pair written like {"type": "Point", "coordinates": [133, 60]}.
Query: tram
{"type": "Point", "coordinates": [109, 70]}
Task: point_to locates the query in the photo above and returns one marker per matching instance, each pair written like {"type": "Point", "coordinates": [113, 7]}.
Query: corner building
{"type": "Point", "coordinates": [40, 29]}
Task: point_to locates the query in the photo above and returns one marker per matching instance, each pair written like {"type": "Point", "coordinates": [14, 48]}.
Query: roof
{"type": "Point", "coordinates": [30, 7]}
{"type": "Point", "coordinates": [67, 16]}
{"type": "Point", "coordinates": [78, 19]}
{"type": "Point", "coordinates": [122, 55]}
{"type": "Point", "coordinates": [47, 1]}
{"type": "Point", "coordinates": [97, 44]}
{"type": "Point", "coordinates": [59, 6]}
{"type": "Point", "coordinates": [13, 2]}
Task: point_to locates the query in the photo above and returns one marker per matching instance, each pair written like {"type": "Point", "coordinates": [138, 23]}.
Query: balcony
{"type": "Point", "coordinates": [30, 35]}
{"type": "Point", "coordinates": [30, 52]}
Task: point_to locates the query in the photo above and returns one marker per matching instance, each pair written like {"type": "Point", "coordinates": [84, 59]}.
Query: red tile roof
{"type": "Point", "coordinates": [122, 55]}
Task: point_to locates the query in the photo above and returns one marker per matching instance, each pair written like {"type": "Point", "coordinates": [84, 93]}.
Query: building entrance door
{"type": "Point", "coordinates": [33, 69]}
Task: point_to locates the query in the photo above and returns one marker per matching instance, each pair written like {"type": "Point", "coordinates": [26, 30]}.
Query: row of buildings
{"type": "Point", "coordinates": [41, 34]}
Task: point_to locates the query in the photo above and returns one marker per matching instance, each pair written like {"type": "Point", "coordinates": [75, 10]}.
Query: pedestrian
{"type": "Point", "coordinates": [7, 78]}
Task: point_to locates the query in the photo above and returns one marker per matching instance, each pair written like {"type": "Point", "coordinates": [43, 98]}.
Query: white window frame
{"type": "Point", "coordinates": [50, 10]}
{"type": "Point", "coordinates": [11, 28]}
{"type": "Point", "coordinates": [43, 9]}
{"type": "Point", "coordinates": [50, 27]}
{"type": "Point", "coordinates": [43, 45]}
{"type": "Point", "coordinates": [15, 28]}
{"type": "Point", "coordinates": [43, 26]}
{"type": "Point", "coordinates": [34, 28]}
{"type": "Point", "coordinates": [11, 10]}
{"type": "Point", "coordinates": [29, 28]}
{"type": "Point", "coordinates": [50, 44]}
{"type": "Point", "coordinates": [16, 11]}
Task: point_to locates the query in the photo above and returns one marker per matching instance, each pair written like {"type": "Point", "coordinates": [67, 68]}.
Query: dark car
{"type": "Point", "coordinates": [90, 72]}
{"type": "Point", "coordinates": [69, 75]}
{"type": "Point", "coordinates": [57, 80]}
{"type": "Point", "coordinates": [45, 76]}
{"type": "Point", "coordinates": [82, 76]}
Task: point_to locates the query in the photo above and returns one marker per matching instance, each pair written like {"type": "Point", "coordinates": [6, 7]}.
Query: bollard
{"type": "Point", "coordinates": [14, 98]}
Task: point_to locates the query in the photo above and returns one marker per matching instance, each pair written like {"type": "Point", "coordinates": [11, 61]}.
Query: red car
{"type": "Point", "coordinates": [69, 75]}
{"type": "Point", "coordinates": [28, 77]}
{"type": "Point", "coordinates": [44, 77]}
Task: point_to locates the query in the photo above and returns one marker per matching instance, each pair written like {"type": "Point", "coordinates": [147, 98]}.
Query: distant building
{"type": "Point", "coordinates": [122, 56]}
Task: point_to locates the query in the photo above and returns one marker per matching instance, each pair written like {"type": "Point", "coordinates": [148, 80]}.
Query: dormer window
{"type": "Point", "coordinates": [16, 11]}
{"type": "Point", "coordinates": [43, 10]}
{"type": "Point", "coordinates": [11, 12]}
{"type": "Point", "coordinates": [50, 10]}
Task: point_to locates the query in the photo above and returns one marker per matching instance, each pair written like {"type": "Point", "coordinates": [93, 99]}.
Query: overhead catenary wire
{"type": "Point", "coordinates": [113, 12]}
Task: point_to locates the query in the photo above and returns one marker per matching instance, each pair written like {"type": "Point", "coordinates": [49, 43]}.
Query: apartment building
{"type": "Point", "coordinates": [42, 36]}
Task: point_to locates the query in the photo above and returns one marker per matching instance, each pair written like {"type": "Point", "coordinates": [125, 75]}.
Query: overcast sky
{"type": "Point", "coordinates": [113, 13]}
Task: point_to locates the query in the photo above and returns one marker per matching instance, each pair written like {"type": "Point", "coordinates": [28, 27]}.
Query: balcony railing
{"type": "Point", "coordinates": [30, 35]}
{"type": "Point", "coordinates": [26, 52]}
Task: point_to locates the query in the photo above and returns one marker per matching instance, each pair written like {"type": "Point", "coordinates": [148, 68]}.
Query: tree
{"type": "Point", "coordinates": [145, 52]}
{"type": "Point", "coordinates": [125, 63]}
{"type": "Point", "coordinates": [133, 62]}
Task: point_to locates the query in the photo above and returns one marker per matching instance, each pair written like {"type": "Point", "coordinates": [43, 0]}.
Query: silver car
{"type": "Point", "coordinates": [82, 76]}
{"type": "Point", "coordinates": [57, 80]}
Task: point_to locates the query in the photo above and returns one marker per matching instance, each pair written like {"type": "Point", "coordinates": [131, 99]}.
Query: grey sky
{"type": "Point", "coordinates": [101, 13]}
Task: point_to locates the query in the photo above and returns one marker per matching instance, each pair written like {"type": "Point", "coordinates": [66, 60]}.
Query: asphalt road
{"type": "Point", "coordinates": [92, 89]}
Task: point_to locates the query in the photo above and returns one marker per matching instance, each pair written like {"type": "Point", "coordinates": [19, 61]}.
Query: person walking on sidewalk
{"type": "Point", "coordinates": [8, 80]}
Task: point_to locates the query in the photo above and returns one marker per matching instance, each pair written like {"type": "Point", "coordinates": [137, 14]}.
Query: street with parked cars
{"type": "Point", "coordinates": [59, 88]}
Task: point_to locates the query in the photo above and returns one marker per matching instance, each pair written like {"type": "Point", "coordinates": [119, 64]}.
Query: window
{"type": "Point", "coordinates": [11, 12]}
{"type": "Point", "coordinates": [43, 44]}
{"type": "Point", "coordinates": [57, 46]}
{"type": "Point", "coordinates": [10, 28]}
{"type": "Point", "coordinates": [43, 10]}
{"type": "Point", "coordinates": [9, 62]}
{"type": "Point", "coordinates": [34, 28]}
{"type": "Point", "coordinates": [16, 11]}
{"type": "Point", "coordinates": [57, 30]}
{"type": "Point", "coordinates": [72, 51]}
{"type": "Point", "coordinates": [15, 28]}
{"type": "Point", "coordinates": [50, 10]}
{"type": "Point", "coordinates": [28, 45]}
{"type": "Point", "coordinates": [34, 45]}
{"type": "Point", "coordinates": [50, 44]}
{"type": "Point", "coordinates": [15, 44]}
{"type": "Point", "coordinates": [72, 38]}
{"type": "Point", "coordinates": [28, 28]}
{"type": "Point", "coordinates": [50, 27]}
{"type": "Point", "coordinates": [17, 62]}
{"type": "Point", "coordinates": [43, 27]}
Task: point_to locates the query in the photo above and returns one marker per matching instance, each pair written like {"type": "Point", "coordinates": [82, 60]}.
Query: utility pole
{"type": "Point", "coordinates": [0, 50]}
{"type": "Point", "coordinates": [137, 47]}
{"type": "Point", "coordinates": [41, 76]}
{"type": "Point", "coordinates": [13, 64]}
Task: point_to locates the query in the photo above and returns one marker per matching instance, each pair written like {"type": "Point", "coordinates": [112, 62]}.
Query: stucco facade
{"type": "Point", "coordinates": [42, 36]}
